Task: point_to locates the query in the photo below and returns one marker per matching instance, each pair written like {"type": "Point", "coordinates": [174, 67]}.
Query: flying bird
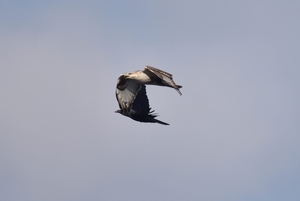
{"type": "Point", "coordinates": [132, 97]}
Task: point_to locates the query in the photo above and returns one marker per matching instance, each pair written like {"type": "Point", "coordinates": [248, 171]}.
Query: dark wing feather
{"type": "Point", "coordinates": [140, 109]}
{"type": "Point", "coordinates": [140, 106]}
{"type": "Point", "coordinates": [165, 77]}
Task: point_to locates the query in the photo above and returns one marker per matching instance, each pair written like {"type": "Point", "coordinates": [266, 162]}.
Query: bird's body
{"type": "Point", "coordinates": [131, 93]}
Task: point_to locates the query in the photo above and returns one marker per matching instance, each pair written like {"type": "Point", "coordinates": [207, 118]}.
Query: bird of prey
{"type": "Point", "coordinates": [131, 93]}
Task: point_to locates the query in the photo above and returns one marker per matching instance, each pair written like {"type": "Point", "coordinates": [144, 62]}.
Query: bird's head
{"type": "Point", "coordinates": [122, 76]}
{"type": "Point", "coordinates": [121, 84]}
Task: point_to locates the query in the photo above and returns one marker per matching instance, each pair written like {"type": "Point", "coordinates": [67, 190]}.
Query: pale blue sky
{"type": "Point", "coordinates": [233, 135]}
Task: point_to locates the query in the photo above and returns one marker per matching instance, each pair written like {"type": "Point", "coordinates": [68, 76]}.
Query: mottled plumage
{"type": "Point", "coordinates": [131, 93]}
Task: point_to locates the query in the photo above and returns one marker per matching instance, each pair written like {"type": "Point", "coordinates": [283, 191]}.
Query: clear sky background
{"type": "Point", "coordinates": [234, 134]}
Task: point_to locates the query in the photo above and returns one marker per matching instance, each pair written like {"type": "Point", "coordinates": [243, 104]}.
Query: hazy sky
{"type": "Point", "coordinates": [234, 134]}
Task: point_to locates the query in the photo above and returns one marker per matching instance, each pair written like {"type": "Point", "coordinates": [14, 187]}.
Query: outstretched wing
{"type": "Point", "coordinates": [166, 78]}
{"type": "Point", "coordinates": [140, 109]}
{"type": "Point", "coordinates": [126, 92]}
{"type": "Point", "coordinates": [140, 105]}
